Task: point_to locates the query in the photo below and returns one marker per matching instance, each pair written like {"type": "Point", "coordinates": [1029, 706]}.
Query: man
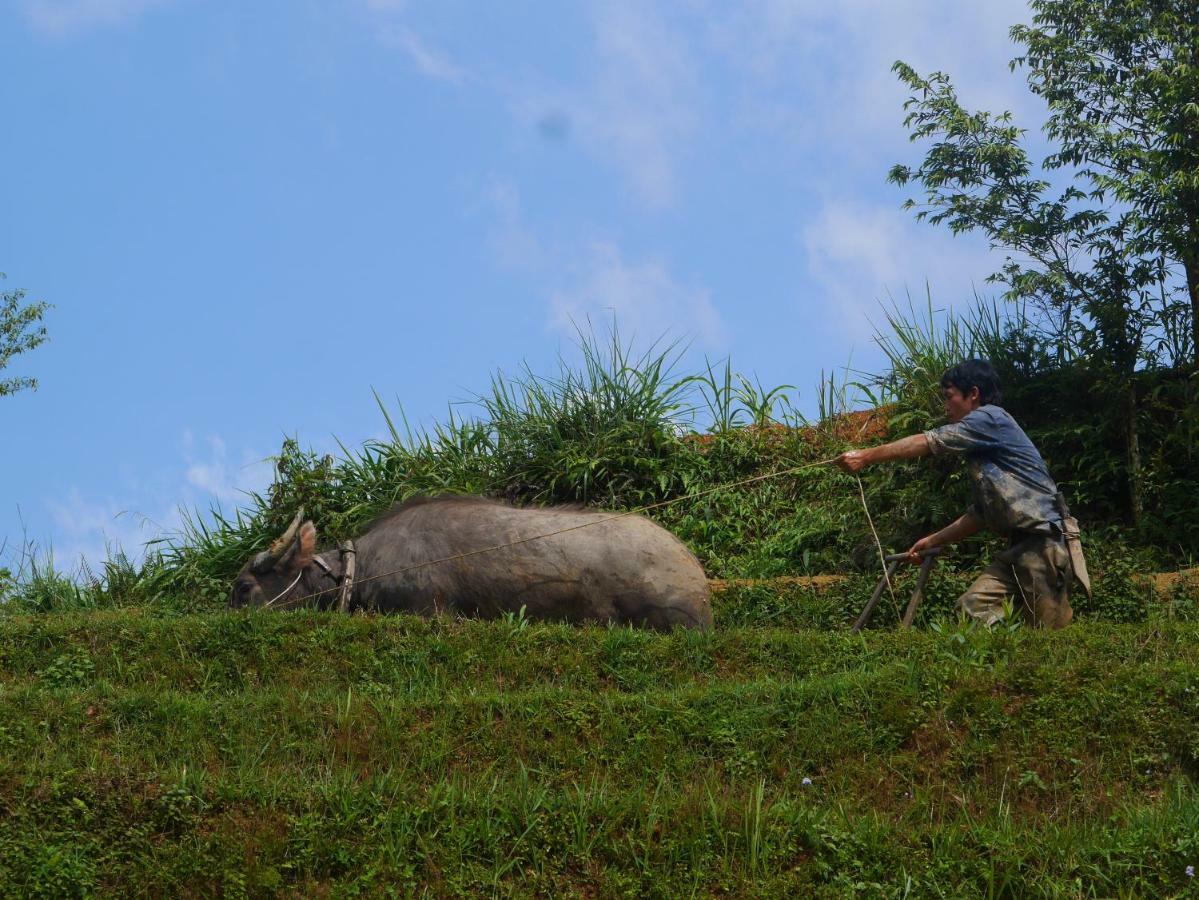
{"type": "Point", "coordinates": [1013, 495]}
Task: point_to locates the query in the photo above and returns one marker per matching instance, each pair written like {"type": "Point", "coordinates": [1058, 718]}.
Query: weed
{"type": "Point", "coordinates": [968, 642]}
{"type": "Point", "coordinates": [515, 622]}
{"type": "Point", "coordinates": [72, 668]}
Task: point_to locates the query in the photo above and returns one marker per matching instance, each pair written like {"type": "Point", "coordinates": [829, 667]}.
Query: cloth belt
{"type": "Point", "coordinates": [1073, 537]}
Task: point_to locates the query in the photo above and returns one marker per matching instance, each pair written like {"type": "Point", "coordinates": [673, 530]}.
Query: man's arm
{"type": "Point", "coordinates": [958, 530]}
{"type": "Point", "coordinates": [913, 447]}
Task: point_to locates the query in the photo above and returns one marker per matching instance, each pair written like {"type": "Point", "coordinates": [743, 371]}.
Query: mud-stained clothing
{"type": "Point", "coordinates": [1012, 490]}
{"type": "Point", "coordinates": [1036, 573]}
{"type": "Point", "coordinates": [1014, 496]}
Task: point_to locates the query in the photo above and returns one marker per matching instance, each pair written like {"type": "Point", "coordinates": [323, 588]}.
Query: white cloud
{"type": "Point", "coordinates": [88, 531]}
{"type": "Point", "coordinates": [429, 62]}
{"type": "Point", "coordinates": [645, 299]}
{"type": "Point", "coordinates": [91, 528]}
{"type": "Point", "coordinates": [387, 18]}
{"type": "Point", "coordinates": [221, 480]}
{"type": "Point", "coordinates": [811, 79]}
{"type": "Point", "coordinates": [60, 17]}
{"type": "Point", "coordinates": [817, 76]}
{"type": "Point", "coordinates": [635, 107]}
{"type": "Point", "coordinates": [509, 239]}
{"type": "Point", "coordinates": [640, 109]}
{"type": "Point", "coordinates": [591, 279]}
{"type": "Point", "coordinates": [862, 255]}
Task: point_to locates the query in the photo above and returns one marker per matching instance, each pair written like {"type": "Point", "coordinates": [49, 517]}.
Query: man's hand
{"type": "Point", "coordinates": [852, 461]}
{"type": "Point", "coordinates": [918, 549]}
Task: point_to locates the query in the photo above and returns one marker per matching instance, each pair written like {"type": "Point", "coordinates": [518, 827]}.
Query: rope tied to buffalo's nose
{"type": "Point", "coordinates": [286, 590]}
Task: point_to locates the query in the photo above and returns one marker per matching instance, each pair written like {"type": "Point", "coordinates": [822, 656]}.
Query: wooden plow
{"type": "Point", "coordinates": [894, 561]}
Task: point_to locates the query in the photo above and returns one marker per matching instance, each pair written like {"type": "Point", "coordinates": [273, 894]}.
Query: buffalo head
{"type": "Point", "coordinates": [273, 575]}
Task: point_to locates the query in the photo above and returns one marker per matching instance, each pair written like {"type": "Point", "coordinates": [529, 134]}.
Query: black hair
{"type": "Point", "coordinates": [974, 373]}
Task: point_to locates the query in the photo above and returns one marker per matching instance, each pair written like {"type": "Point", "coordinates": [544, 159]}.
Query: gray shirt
{"type": "Point", "coordinates": [1011, 486]}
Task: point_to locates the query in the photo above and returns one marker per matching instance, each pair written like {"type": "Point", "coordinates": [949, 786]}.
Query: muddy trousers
{"type": "Point", "coordinates": [1035, 573]}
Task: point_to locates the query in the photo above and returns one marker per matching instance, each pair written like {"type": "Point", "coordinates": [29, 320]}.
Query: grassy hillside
{"type": "Point", "coordinates": [309, 754]}
{"type": "Point", "coordinates": [153, 743]}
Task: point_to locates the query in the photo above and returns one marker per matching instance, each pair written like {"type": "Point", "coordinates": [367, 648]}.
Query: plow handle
{"type": "Point", "coordinates": [931, 552]}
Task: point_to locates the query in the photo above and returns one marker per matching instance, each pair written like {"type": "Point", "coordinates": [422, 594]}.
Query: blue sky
{"type": "Point", "coordinates": [249, 215]}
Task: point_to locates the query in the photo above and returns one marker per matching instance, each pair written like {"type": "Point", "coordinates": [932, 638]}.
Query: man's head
{"type": "Point", "coordinates": [967, 386]}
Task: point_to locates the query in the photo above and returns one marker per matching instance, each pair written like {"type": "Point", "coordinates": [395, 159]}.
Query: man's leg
{"type": "Point", "coordinates": [984, 598]}
{"type": "Point", "coordinates": [1035, 573]}
{"type": "Point", "coordinates": [1045, 573]}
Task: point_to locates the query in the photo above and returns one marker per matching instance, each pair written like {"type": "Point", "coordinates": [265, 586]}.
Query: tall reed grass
{"type": "Point", "coordinates": [622, 429]}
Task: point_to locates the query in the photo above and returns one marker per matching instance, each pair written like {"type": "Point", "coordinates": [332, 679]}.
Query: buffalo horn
{"type": "Point", "coordinates": [267, 559]}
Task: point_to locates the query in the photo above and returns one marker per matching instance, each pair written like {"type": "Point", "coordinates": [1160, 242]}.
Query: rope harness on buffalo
{"type": "Point", "coordinates": [346, 583]}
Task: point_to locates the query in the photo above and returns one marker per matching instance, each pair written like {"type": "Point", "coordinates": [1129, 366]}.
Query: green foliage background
{"type": "Point", "coordinates": [623, 431]}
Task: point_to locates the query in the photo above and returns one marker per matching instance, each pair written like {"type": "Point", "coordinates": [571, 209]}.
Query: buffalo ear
{"type": "Point", "coordinates": [299, 552]}
{"type": "Point", "coordinates": [307, 541]}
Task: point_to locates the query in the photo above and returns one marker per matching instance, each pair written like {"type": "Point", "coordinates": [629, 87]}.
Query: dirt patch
{"type": "Point", "coordinates": [1165, 582]}
{"type": "Point", "coordinates": [866, 426]}
{"type": "Point", "coordinates": [863, 427]}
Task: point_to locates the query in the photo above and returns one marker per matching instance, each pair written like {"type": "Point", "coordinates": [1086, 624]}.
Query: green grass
{"type": "Point", "coordinates": [306, 753]}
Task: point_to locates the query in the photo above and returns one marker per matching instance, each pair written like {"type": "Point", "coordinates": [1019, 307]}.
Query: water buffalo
{"type": "Point", "coordinates": [626, 570]}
